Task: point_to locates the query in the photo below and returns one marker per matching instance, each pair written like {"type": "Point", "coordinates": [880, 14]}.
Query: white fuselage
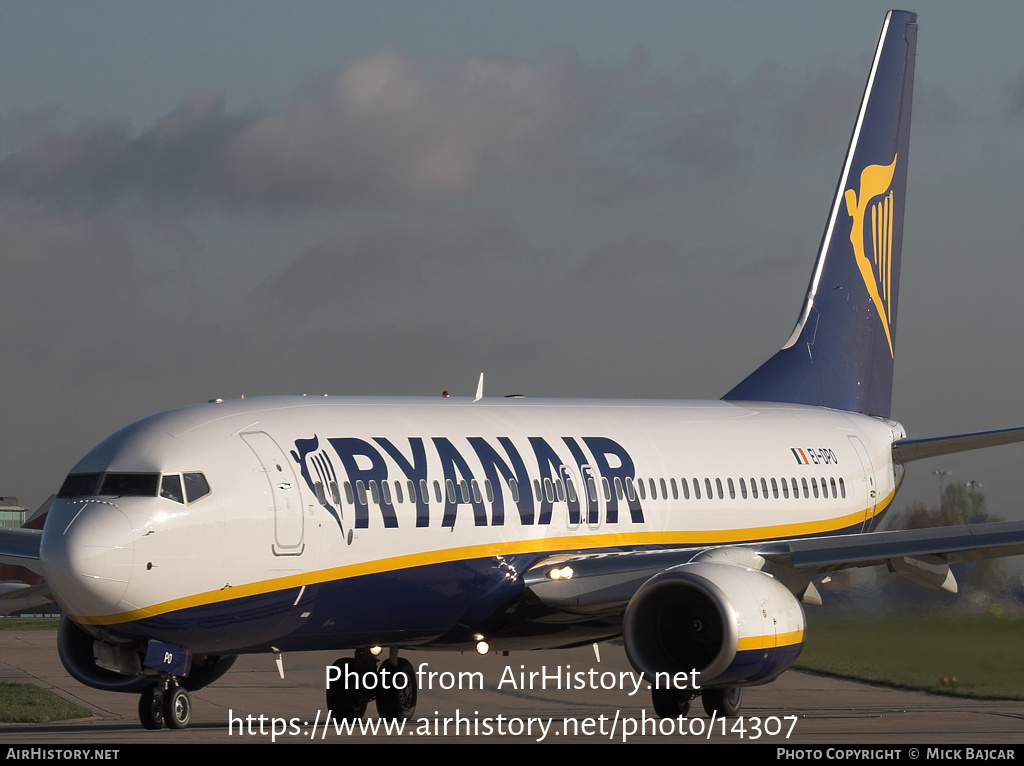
{"type": "Point", "coordinates": [315, 500]}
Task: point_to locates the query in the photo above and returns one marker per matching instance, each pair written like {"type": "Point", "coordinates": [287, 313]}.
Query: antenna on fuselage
{"type": "Point", "coordinates": [479, 388]}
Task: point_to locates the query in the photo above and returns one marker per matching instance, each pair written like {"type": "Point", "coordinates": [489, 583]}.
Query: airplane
{"type": "Point", "coordinates": [695, 531]}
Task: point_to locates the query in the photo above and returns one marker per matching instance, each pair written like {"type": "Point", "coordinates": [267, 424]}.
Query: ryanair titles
{"type": "Point", "coordinates": [488, 479]}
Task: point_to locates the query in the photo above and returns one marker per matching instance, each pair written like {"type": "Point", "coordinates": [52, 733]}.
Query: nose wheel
{"type": "Point", "coordinates": [165, 703]}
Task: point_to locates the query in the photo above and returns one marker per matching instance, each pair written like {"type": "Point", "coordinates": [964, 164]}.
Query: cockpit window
{"type": "Point", "coordinates": [130, 484]}
{"type": "Point", "coordinates": [195, 486]}
{"type": "Point", "coordinates": [170, 488]}
{"type": "Point", "coordinates": [114, 484]}
{"type": "Point", "coordinates": [80, 485]}
{"type": "Point", "coordinates": [136, 485]}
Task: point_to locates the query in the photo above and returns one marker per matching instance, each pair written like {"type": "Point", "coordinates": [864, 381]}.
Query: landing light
{"type": "Point", "coordinates": [482, 647]}
{"type": "Point", "coordinates": [562, 573]}
{"type": "Point", "coordinates": [375, 650]}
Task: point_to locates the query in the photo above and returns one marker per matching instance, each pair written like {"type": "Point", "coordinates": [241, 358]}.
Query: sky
{"type": "Point", "coordinates": [592, 199]}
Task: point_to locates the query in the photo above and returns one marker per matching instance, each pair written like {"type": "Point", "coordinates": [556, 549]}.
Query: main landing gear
{"type": "Point", "coordinates": [720, 702]}
{"type": "Point", "coordinates": [355, 681]}
{"type": "Point", "coordinates": [165, 703]}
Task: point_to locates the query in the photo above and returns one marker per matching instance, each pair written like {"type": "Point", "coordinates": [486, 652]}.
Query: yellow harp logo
{"type": "Point", "coordinates": [876, 270]}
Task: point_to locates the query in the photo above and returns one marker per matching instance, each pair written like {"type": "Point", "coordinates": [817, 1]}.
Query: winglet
{"type": "Point", "coordinates": [841, 351]}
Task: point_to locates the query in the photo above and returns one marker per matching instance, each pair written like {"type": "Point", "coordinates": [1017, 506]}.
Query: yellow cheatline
{"type": "Point", "coordinates": [505, 548]}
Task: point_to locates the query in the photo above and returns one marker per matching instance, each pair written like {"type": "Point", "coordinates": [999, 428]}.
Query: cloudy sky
{"type": "Point", "coordinates": [618, 199]}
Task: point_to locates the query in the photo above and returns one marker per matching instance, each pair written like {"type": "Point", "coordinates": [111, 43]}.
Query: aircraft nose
{"type": "Point", "coordinates": [87, 554]}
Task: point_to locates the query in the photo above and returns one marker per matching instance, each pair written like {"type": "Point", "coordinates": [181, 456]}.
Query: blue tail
{"type": "Point", "coordinates": [841, 352]}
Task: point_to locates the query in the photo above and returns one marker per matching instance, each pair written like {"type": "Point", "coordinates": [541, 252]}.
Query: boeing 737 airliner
{"type": "Point", "coordinates": [693, 530]}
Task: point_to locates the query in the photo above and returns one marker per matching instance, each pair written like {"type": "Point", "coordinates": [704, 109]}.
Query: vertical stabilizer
{"type": "Point", "coordinates": [841, 352]}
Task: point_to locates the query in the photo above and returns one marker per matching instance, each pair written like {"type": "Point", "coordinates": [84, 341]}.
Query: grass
{"type": "Point", "coordinates": [29, 623]}
{"type": "Point", "coordinates": [965, 655]}
{"type": "Point", "coordinates": [25, 703]}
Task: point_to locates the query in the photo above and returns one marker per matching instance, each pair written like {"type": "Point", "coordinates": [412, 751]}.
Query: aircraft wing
{"type": "Point", "coordinates": [20, 547]}
{"type": "Point", "coordinates": [600, 584]}
{"type": "Point", "coordinates": [21, 581]}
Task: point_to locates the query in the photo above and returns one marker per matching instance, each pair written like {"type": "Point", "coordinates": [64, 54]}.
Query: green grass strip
{"type": "Point", "coordinates": [25, 703]}
{"type": "Point", "coordinates": [964, 655]}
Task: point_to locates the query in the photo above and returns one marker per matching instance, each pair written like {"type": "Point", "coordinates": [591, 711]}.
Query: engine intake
{"type": "Point", "coordinates": [733, 625]}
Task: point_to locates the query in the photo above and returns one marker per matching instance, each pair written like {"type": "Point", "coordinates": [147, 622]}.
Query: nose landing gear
{"type": "Point", "coordinates": [165, 703]}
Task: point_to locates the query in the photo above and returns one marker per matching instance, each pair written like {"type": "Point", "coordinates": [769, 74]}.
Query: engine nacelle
{"type": "Point", "coordinates": [79, 654]}
{"type": "Point", "coordinates": [733, 625]}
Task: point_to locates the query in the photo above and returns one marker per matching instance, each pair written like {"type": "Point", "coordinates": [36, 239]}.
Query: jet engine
{"type": "Point", "coordinates": [115, 669]}
{"type": "Point", "coordinates": [734, 626]}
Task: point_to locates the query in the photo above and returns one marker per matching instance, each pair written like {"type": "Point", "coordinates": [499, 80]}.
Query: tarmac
{"type": "Point", "coordinates": [570, 697]}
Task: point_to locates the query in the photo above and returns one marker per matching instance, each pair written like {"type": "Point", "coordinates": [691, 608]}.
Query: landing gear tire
{"type": "Point", "coordinates": [722, 702]}
{"type": "Point", "coordinates": [346, 704]}
{"type": "Point", "coordinates": [177, 707]}
{"type": "Point", "coordinates": [151, 709]}
{"type": "Point", "coordinates": [670, 703]}
{"type": "Point", "coordinates": [398, 699]}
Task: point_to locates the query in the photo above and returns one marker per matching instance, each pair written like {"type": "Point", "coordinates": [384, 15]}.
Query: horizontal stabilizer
{"type": "Point", "coordinates": [906, 450]}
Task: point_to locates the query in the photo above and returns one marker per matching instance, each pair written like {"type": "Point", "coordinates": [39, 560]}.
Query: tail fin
{"type": "Point", "coordinates": [841, 352]}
